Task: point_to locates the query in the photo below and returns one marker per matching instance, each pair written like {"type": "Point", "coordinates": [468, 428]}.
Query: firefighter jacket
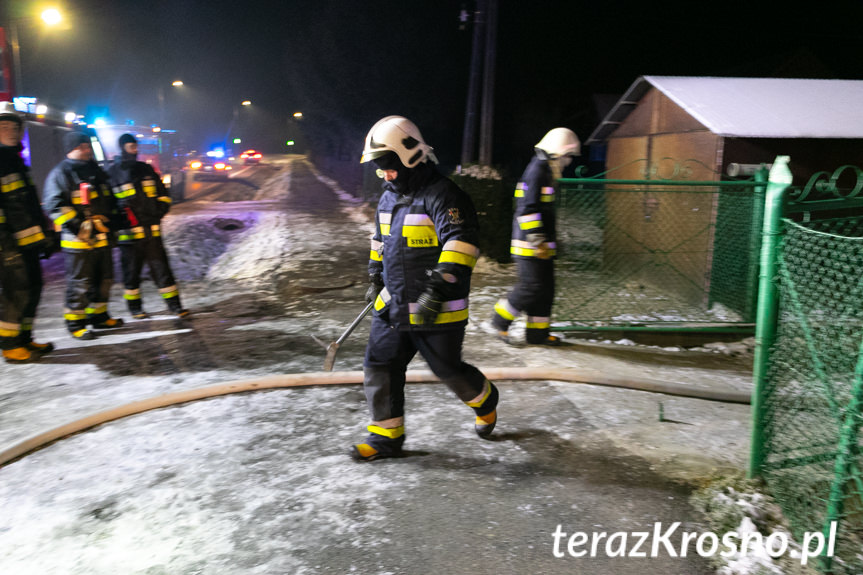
{"type": "Point", "coordinates": [142, 198]}
{"type": "Point", "coordinates": [22, 221]}
{"type": "Point", "coordinates": [534, 219]}
{"type": "Point", "coordinates": [69, 208]}
{"type": "Point", "coordinates": [424, 238]}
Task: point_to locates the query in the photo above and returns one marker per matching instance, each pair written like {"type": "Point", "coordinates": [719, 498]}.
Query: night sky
{"type": "Point", "coordinates": [345, 63]}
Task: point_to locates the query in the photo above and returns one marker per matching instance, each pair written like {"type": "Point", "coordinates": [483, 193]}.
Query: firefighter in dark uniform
{"type": "Point", "coordinates": [25, 235]}
{"type": "Point", "coordinates": [143, 199]}
{"type": "Point", "coordinates": [78, 199]}
{"type": "Point", "coordinates": [534, 240]}
{"type": "Point", "coordinates": [423, 251]}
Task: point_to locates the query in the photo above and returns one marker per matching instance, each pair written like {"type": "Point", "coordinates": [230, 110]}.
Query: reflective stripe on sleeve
{"type": "Point", "coordinates": [451, 312]}
{"type": "Point", "coordinates": [124, 191]}
{"type": "Point", "coordinates": [382, 300]}
{"type": "Point", "coordinates": [458, 252]}
{"type": "Point", "coordinates": [156, 230]}
{"type": "Point", "coordinates": [66, 214]}
{"type": "Point", "coordinates": [377, 251]}
{"type": "Point", "coordinates": [385, 219]}
{"type": "Point", "coordinates": [520, 189]}
{"type": "Point", "coordinates": [524, 249]}
{"type": "Point", "coordinates": [165, 199]}
{"type": "Point", "coordinates": [11, 182]}
{"type": "Point", "coordinates": [547, 194]}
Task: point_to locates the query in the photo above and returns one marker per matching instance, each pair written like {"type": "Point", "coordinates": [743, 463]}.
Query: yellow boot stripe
{"type": "Point", "coordinates": [486, 392]}
{"type": "Point", "coordinates": [392, 433]}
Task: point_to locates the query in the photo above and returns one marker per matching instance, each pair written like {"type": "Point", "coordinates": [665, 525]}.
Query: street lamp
{"type": "Point", "coordinates": [50, 17]}
{"type": "Point", "coordinates": [176, 84]}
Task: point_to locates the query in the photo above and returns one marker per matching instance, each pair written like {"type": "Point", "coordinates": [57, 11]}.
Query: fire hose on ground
{"type": "Point", "coordinates": [35, 442]}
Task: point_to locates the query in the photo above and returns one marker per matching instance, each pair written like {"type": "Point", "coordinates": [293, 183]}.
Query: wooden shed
{"type": "Point", "coordinates": [722, 121]}
{"type": "Point", "coordinates": [696, 128]}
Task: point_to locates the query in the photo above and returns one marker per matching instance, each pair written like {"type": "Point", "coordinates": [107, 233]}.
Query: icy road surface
{"type": "Point", "coordinates": [261, 482]}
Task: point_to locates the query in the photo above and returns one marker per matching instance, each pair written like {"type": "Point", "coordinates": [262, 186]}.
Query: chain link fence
{"type": "Point", "coordinates": [636, 253]}
{"type": "Point", "coordinates": [808, 398]}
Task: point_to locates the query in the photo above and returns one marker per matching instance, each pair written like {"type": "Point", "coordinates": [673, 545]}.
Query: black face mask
{"type": "Point", "coordinates": [128, 160]}
{"type": "Point", "coordinates": [390, 161]}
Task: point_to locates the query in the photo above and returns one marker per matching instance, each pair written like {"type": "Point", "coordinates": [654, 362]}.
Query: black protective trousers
{"type": "Point", "coordinates": [20, 292]}
{"type": "Point", "coordinates": [89, 277]}
{"type": "Point", "coordinates": [150, 251]}
{"type": "Point", "coordinates": [532, 295]}
{"type": "Point", "coordinates": [387, 356]}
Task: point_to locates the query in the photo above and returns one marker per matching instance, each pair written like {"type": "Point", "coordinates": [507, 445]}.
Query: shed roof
{"type": "Point", "coordinates": [753, 107]}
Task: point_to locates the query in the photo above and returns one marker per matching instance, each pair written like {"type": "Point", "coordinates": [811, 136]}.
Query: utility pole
{"type": "Point", "coordinates": [482, 63]}
{"type": "Point", "coordinates": [468, 142]}
{"type": "Point", "coordinates": [487, 122]}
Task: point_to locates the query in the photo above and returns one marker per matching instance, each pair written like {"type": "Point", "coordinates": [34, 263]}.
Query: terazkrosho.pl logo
{"type": "Point", "coordinates": [670, 542]}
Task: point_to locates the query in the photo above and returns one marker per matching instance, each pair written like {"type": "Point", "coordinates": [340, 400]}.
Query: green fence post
{"type": "Point", "coordinates": [766, 314]}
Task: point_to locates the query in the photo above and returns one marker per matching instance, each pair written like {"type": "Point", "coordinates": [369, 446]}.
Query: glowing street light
{"type": "Point", "coordinates": [52, 16]}
{"type": "Point", "coordinates": [246, 103]}
{"type": "Point", "coordinates": [177, 83]}
{"type": "Point", "coordinates": [298, 115]}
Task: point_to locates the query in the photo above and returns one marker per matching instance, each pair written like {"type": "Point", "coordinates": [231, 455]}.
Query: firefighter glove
{"type": "Point", "coordinates": [429, 305]}
{"type": "Point", "coordinates": [540, 248]}
{"type": "Point", "coordinates": [99, 223]}
{"type": "Point", "coordinates": [86, 230]}
{"type": "Point", "coordinates": [376, 284]}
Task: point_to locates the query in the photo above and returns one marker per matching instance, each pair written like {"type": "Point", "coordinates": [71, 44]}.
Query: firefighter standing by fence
{"type": "Point", "coordinates": [423, 251]}
{"type": "Point", "coordinates": [78, 198]}
{"type": "Point", "coordinates": [143, 200]}
{"type": "Point", "coordinates": [534, 240]}
{"type": "Point", "coordinates": [24, 236]}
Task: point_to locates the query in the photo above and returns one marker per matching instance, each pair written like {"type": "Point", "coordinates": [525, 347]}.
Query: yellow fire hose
{"type": "Point", "coordinates": [40, 440]}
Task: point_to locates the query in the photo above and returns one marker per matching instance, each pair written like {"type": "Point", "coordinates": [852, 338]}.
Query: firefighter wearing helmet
{"type": "Point", "coordinates": [534, 240]}
{"type": "Point", "coordinates": [25, 235]}
{"type": "Point", "coordinates": [423, 251]}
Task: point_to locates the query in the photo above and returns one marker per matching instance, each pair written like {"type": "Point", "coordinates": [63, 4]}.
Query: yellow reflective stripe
{"type": "Point", "coordinates": [547, 194]}
{"type": "Point", "coordinates": [132, 294]}
{"type": "Point", "coordinates": [168, 292]}
{"type": "Point", "coordinates": [30, 235]}
{"type": "Point", "coordinates": [457, 258]}
{"type": "Point", "coordinates": [165, 199]}
{"type": "Point", "coordinates": [505, 310]}
{"type": "Point", "coordinates": [486, 388]}
{"type": "Point", "coordinates": [76, 245]}
{"type": "Point", "coordinates": [375, 256]}
{"type": "Point", "coordinates": [383, 299]}
{"type": "Point", "coordinates": [156, 230]}
{"type": "Point", "coordinates": [546, 198]}
{"type": "Point", "coordinates": [97, 308]}
{"type": "Point", "coordinates": [538, 322]}
{"type": "Point", "coordinates": [124, 191]}
{"type": "Point", "coordinates": [385, 229]}
{"type": "Point", "coordinates": [76, 198]}
{"type": "Point", "coordinates": [519, 189]}
{"type": "Point", "coordinates": [12, 186]}
{"type": "Point", "coordinates": [2, 217]}
{"type": "Point", "coordinates": [443, 317]}
{"type": "Point", "coordinates": [392, 433]}
{"type": "Point", "coordinates": [68, 214]}
{"type": "Point", "coordinates": [9, 329]}
{"type": "Point", "coordinates": [530, 225]}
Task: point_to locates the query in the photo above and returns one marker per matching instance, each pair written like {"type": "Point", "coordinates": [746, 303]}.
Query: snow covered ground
{"type": "Point", "coordinates": [261, 483]}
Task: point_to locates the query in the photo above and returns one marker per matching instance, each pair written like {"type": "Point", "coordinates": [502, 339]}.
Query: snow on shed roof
{"type": "Point", "coordinates": [753, 107]}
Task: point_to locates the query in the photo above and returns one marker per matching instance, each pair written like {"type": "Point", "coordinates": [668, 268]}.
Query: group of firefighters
{"type": "Point", "coordinates": [88, 211]}
{"type": "Point", "coordinates": [423, 251]}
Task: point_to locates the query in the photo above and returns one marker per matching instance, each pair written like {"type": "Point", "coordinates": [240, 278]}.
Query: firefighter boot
{"type": "Point", "coordinates": [485, 408]}
{"type": "Point", "coordinates": [38, 348]}
{"type": "Point", "coordinates": [110, 323]}
{"type": "Point", "coordinates": [379, 444]}
{"type": "Point", "coordinates": [19, 355]}
{"type": "Point", "coordinates": [176, 307]}
{"type": "Point", "coordinates": [136, 309]}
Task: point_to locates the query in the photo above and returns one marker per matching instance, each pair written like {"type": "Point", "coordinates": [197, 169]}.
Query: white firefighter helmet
{"type": "Point", "coordinates": [399, 135]}
{"type": "Point", "coordinates": [560, 142]}
{"type": "Point", "coordinates": [9, 113]}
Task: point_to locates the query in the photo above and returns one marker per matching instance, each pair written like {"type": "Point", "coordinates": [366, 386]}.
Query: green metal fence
{"type": "Point", "coordinates": [652, 253]}
{"type": "Point", "coordinates": [808, 366]}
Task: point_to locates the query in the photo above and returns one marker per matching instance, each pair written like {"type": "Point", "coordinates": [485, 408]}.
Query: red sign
{"type": "Point", "coordinates": [6, 82]}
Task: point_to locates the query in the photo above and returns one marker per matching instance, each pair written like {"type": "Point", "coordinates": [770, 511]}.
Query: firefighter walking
{"type": "Point", "coordinates": [24, 237]}
{"type": "Point", "coordinates": [423, 251]}
{"type": "Point", "coordinates": [78, 199]}
{"type": "Point", "coordinates": [143, 200]}
{"type": "Point", "coordinates": [534, 240]}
